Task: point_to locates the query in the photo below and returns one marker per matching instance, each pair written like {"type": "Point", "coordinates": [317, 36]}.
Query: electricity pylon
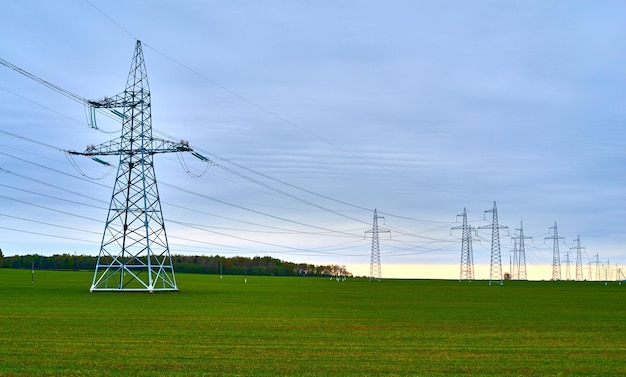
{"type": "Point", "coordinates": [375, 271]}
{"type": "Point", "coordinates": [495, 270]}
{"type": "Point", "coordinates": [556, 258]}
{"type": "Point", "coordinates": [467, 254]}
{"type": "Point", "coordinates": [567, 264]}
{"type": "Point", "coordinates": [597, 262]}
{"type": "Point", "coordinates": [514, 264]}
{"type": "Point", "coordinates": [519, 267]}
{"type": "Point", "coordinates": [579, 259]}
{"type": "Point", "coordinates": [134, 253]}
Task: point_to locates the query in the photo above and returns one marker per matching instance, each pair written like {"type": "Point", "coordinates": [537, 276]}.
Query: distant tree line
{"type": "Point", "coordinates": [266, 266]}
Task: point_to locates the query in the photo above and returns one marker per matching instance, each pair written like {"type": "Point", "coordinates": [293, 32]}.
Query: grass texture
{"type": "Point", "coordinates": [294, 326]}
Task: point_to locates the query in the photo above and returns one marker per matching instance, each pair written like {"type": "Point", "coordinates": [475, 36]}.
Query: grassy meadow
{"type": "Point", "coordinates": [273, 326]}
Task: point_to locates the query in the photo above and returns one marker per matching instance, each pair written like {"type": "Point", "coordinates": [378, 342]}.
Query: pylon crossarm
{"type": "Point", "coordinates": [115, 147]}
{"type": "Point", "coordinates": [166, 146]}
{"type": "Point", "coordinates": [117, 101]}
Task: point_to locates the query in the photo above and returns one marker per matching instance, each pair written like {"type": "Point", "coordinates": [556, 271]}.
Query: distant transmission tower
{"type": "Point", "coordinates": [597, 262]}
{"type": "Point", "coordinates": [519, 267]}
{"type": "Point", "coordinates": [579, 259]}
{"type": "Point", "coordinates": [467, 255]}
{"type": "Point", "coordinates": [495, 271]}
{"type": "Point", "coordinates": [134, 254]}
{"type": "Point", "coordinates": [556, 258]}
{"type": "Point", "coordinates": [375, 271]}
{"type": "Point", "coordinates": [514, 263]}
{"type": "Point", "coordinates": [567, 264]}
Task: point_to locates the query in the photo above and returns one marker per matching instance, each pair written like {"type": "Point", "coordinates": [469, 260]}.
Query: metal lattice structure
{"type": "Point", "coordinates": [567, 264]}
{"type": "Point", "coordinates": [597, 262]}
{"type": "Point", "coordinates": [495, 270]}
{"type": "Point", "coordinates": [579, 259]}
{"type": "Point", "coordinates": [556, 257]}
{"type": "Point", "coordinates": [375, 270]}
{"type": "Point", "coordinates": [519, 261]}
{"type": "Point", "coordinates": [134, 253]}
{"type": "Point", "coordinates": [467, 254]}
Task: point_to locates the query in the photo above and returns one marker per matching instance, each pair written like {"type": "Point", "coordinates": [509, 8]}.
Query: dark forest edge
{"type": "Point", "coordinates": [214, 264]}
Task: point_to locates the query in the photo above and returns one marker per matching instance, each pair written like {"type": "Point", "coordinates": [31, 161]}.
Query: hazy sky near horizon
{"type": "Point", "coordinates": [320, 112]}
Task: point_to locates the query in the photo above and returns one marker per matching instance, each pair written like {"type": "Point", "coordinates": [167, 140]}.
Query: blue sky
{"type": "Point", "coordinates": [418, 109]}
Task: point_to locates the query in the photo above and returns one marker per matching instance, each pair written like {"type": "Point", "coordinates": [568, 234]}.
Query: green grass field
{"type": "Point", "coordinates": [275, 326]}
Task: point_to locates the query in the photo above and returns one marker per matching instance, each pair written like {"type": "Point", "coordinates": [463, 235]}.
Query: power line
{"type": "Point", "coordinates": [251, 240]}
{"type": "Point", "coordinates": [289, 195]}
{"type": "Point", "coordinates": [393, 253]}
{"type": "Point", "coordinates": [66, 93]}
{"type": "Point", "coordinates": [44, 234]}
{"type": "Point", "coordinates": [40, 105]}
{"type": "Point", "coordinates": [48, 224]}
{"type": "Point", "coordinates": [241, 175]}
{"type": "Point", "coordinates": [252, 210]}
{"type": "Point", "coordinates": [216, 157]}
{"type": "Point", "coordinates": [50, 196]}
{"type": "Point", "coordinates": [90, 110]}
{"type": "Point", "coordinates": [256, 105]}
{"type": "Point", "coordinates": [31, 140]}
{"type": "Point", "coordinates": [83, 100]}
{"type": "Point", "coordinates": [51, 185]}
{"type": "Point", "coordinates": [286, 230]}
{"type": "Point", "coordinates": [113, 21]}
{"type": "Point", "coordinates": [49, 209]}
{"type": "Point", "coordinates": [47, 145]}
{"type": "Point", "coordinates": [51, 169]}
{"type": "Point", "coordinates": [178, 188]}
{"type": "Point", "coordinates": [80, 99]}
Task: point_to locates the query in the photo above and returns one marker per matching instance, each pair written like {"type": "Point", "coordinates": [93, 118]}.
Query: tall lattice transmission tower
{"type": "Point", "coordinates": [519, 264]}
{"type": "Point", "coordinates": [495, 270]}
{"type": "Point", "coordinates": [579, 259]}
{"type": "Point", "coordinates": [567, 264]}
{"type": "Point", "coordinates": [556, 257]}
{"type": "Point", "coordinates": [597, 262]}
{"type": "Point", "coordinates": [375, 271]}
{"type": "Point", "coordinates": [467, 254]}
{"type": "Point", "coordinates": [134, 253]}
